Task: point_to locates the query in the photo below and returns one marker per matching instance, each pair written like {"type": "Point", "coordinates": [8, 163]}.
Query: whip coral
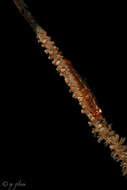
{"type": "Point", "coordinates": [79, 90]}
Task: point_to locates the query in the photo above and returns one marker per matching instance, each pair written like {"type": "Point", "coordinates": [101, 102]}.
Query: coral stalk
{"type": "Point", "coordinates": [79, 90]}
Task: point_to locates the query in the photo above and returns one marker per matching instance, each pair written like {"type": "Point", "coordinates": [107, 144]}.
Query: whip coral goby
{"type": "Point", "coordinates": [79, 91]}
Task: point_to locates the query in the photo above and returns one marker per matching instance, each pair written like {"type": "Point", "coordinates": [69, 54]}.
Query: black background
{"type": "Point", "coordinates": [44, 137]}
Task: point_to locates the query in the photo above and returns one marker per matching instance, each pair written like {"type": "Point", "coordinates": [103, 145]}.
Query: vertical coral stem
{"type": "Point", "coordinates": [79, 90]}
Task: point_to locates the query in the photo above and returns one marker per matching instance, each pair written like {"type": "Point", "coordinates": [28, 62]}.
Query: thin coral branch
{"type": "Point", "coordinates": [79, 90]}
